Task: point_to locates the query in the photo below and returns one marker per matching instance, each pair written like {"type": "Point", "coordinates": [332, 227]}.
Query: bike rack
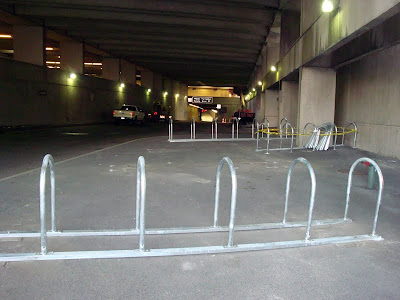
{"type": "Point", "coordinates": [214, 129]}
{"type": "Point", "coordinates": [170, 130]}
{"type": "Point", "coordinates": [235, 121]}
{"type": "Point", "coordinates": [193, 129]}
{"type": "Point", "coordinates": [230, 247]}
{"type": "Point", "coordinates": [286, 125]}
{"type": "Point", "coordinates": [355, 133]}
{"type": "Point", "coordinates": [253, 126]}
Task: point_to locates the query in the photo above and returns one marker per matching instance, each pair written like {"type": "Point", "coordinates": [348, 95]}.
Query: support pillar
{"type": "Point", "coordinates": [128, 72]}
{"type": "Point", "coordinates": [270, 99]}
{"type": "Point", "coordinates": [28, 42]}
{"type": "Point", "coordinates": [111, 69]}
{"type": "Point", "coordinates": [317, 92]}
{"type": "Point", "coordinates": [147, 79]}
{"type": "Point", "coordinates": [71, 53]}
{"type": "Point", "coordinates": [288, 101]}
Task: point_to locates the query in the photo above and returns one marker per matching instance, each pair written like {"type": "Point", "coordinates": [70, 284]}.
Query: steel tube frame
{"type": "Point", "coordinates": [312, 192]}
{"type": "Point", "coordinates": [235, 121]}
{"type": "Point", "coordinates": [379, 198]}
{"type": "Point", "coordinates": [214, 129]}
{"type": "Point", "coordinates": [48, 161]}
{"type": "Point", "coordinates": [170, 129]}
{"type": "Point", "coordinates": [281, 135]}
{"type": "Point", "coordinates": [140, 252]}
{"type": "Point", "coordinates": [193, 129]}
{"type": "Point", "coordinates": [228, 161]}
{"type": "Point", "coordinates": [355, 133]}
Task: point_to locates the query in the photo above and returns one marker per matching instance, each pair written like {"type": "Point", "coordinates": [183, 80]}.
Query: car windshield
{"type": "Point", "coordinates": [128, 107]}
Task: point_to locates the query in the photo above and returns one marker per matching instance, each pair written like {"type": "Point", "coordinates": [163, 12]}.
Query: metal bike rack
{"type": "Point", "coordinates": [305, 126]}
{"type": "Point", "coordinates": [235, 123]}
{"type": "Point", "coordinates": [253, 126]}
{"type": "Point", "coordinates": [193, 129]}
{"type": "Point", "coordinates": [379, 198]}
{"type": "Point", "coordinates": [230, 247]}
{"type": "Point", "coordinates": [286, 126]}
{"type": "Point", "coordinates": [214, 129]}
{"type": "Point", "coordinates": [170, 129]}
{"type": "Point", "coordinates": [355, 133]}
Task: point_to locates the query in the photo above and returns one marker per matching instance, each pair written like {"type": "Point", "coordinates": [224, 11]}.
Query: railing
{"type": "Point", "coordinates": [140, 230]}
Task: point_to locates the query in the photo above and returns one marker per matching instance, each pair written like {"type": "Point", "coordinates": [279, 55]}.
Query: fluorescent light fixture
{"type": "Point", "coordinates": [49, 48]}
{"type": "Point", "coordinates": [218, 106]}
{"type": "Point", "coordinates": [122, 85]}
{"type": "Point", "coordinates": [93, 64]}
{"type": "Point", "coordinates": [195, 106]}
{"type": "Point", "coordinates": [327, 6]}
{"type": "Point", "coordinates": [53, 62]}
{"type": "Point", "coordinates": [72, 75]}
{"type": "Point", "coordinates": [273, 68]}
{"type": "Point", "coordinates": [5, 36]}
{"type": "Point", "coordinates": [213, 110]}
{"type": "Point", "coordinates": [260, 83]}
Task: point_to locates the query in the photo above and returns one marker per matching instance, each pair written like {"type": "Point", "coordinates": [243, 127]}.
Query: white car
{"type": "Point", "coordinates": [128, 113]}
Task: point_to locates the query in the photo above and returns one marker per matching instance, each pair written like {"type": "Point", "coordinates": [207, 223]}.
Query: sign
{"type": "Point", "coordinates": [201, 100]}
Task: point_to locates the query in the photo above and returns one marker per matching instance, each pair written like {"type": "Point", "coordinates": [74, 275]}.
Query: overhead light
{"type": "Point", "coordinates": [273, 68]}
{"type": "Point", "coordinates": [93, 64]}
{"type": "Point", "coordinates": [260, 83]}
{"type": "Point", "coordinates": [176, 95]}
{"type": "Point", "coordinates": [230, 95]}
{"type": "Point", "coordinates": [195, 106]}
{"type": "Point", "coordinates": [122, 85]}
{"type": "Point", "coordinates": [72, 75]}
{"type": "Point", "coordinates": [215, 111]}
{"type": "Point", "coordinates": [165, 94]}
{"type": "Point", "coordinates": [53, 62]}
{"type": "Point", "coordinates": [49, 48]}
{"type": "Point", "coordinates": [254, 89]}
{"type": "Point", "coordinates": [327, 6]}
{"type": "Point", "coordinates": [185, 97]}
{"type": "Point", "coordinates": [218, 106]}
{"type": "Point", "coordinates": [5, 36]}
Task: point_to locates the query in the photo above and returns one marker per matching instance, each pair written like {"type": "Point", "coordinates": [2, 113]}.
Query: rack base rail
{"type": "Point", "coordinates": [230, 247]}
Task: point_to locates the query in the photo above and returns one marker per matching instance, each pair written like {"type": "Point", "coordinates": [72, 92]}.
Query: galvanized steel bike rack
{"type": "Point", "coordinates": [355, 133]}
{"type": "Point", "coordinates": [140, 230]}
{"type": "Point", "coordinates": [235, 125]}
{"type": "Point", "coordinates": [214, 129]}
{"type": "Point", "coordinates": [193, 129]}
{"type": "Point", "coordinates": [170, 130]}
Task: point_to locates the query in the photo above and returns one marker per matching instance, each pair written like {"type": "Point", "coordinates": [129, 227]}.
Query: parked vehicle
{"type": "Point", "coordinates": [159, 113]}
{"type": "Point", "coordinates": [129, 113]}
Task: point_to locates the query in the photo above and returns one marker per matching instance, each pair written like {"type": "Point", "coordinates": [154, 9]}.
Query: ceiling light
{"type": "Point", "coordinates": [254, 89]}
{"type": "Point", "coordinates": [5, 36]}
{"type": "Point", "coordinates": [49, 48]}
{"type": "Point", "coordinates": [327, 6]}
{"type": "Point", "coordinates": [53, 62]}
{"type": "Point", "coordinates": [72, 75]}
{"type": "Point", "coordinates": [273, 68]}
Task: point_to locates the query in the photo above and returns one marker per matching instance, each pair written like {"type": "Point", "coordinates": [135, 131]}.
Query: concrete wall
{"type": "Point", "coordinates": [367, 93]}
{"type": "Point", "coordinates": [288, 101]}
{"type": "Point", "coordinates": [270, 98]}
{"type": "Point", "coordinates": [33, 95]}
{"type": "Point", "coordinates": [209, 92]}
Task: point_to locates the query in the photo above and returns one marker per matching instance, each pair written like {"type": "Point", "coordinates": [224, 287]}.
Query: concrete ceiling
{"type": "Point", "coordinates": [216, 42]}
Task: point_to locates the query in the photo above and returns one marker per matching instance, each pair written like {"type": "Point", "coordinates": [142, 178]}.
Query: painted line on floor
{"type": "Point", "coordinates": [79, 156]}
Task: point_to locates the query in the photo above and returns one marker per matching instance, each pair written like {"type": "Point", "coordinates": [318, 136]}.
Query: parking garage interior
{"type": "Point", "coordinates": [238, 83]}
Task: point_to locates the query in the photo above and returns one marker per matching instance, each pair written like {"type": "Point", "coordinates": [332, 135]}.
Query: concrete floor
{"type": "Point", "coordinates": [97, 191]}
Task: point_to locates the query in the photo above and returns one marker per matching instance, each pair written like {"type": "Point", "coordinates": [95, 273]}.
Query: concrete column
{"type": "Point", "coordinates": [128, 72]}
{"type": "Point", "coordinates": [270, 99]}
{"type": "Point", "coordinates": [288, 101]}
{"type": "Point", "coordinates": [71, 53]}
{"type": "Point", "coordinates": [317, 91]}
{"type": "Point", "coordinates": [147, 79]}
{"type": "Point", "coordinates": [290, 30]}
{"type": "Point", "coordinates": [157, 81]}
{"type": "Point", "coordinates": [111, 69]}
{"type": "Point", "coordinates": [28, 44]}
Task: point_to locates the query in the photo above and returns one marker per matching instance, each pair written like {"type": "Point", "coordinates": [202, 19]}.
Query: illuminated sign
{"type": "Point", "coordinates": [201, 100]}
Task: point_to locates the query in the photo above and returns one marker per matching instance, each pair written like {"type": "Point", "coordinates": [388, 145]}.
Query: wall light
{"type": "Point", "coordinates": [165, 94]}
{"type": "Point", "coordinates": [254, 89]}
{"type": "Point", "coordinates": [327, 6]}
{"type": "Point", "coordinates": [72, 75]}
{"type": "Point", "coordinates": [260, 83]}
{"type": "Point", "coordinates": [273, 68]}
{"type": "Point", "coordinates": [176, 95]}
{"type": "Point", "coordinates": [5, 36]}
{"type": "Point", "coordinates": [122, 85]}
{"type": "Point", "coordinates": [49, 48]}
{"type": "Point", "coordinates": [148, 91]}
